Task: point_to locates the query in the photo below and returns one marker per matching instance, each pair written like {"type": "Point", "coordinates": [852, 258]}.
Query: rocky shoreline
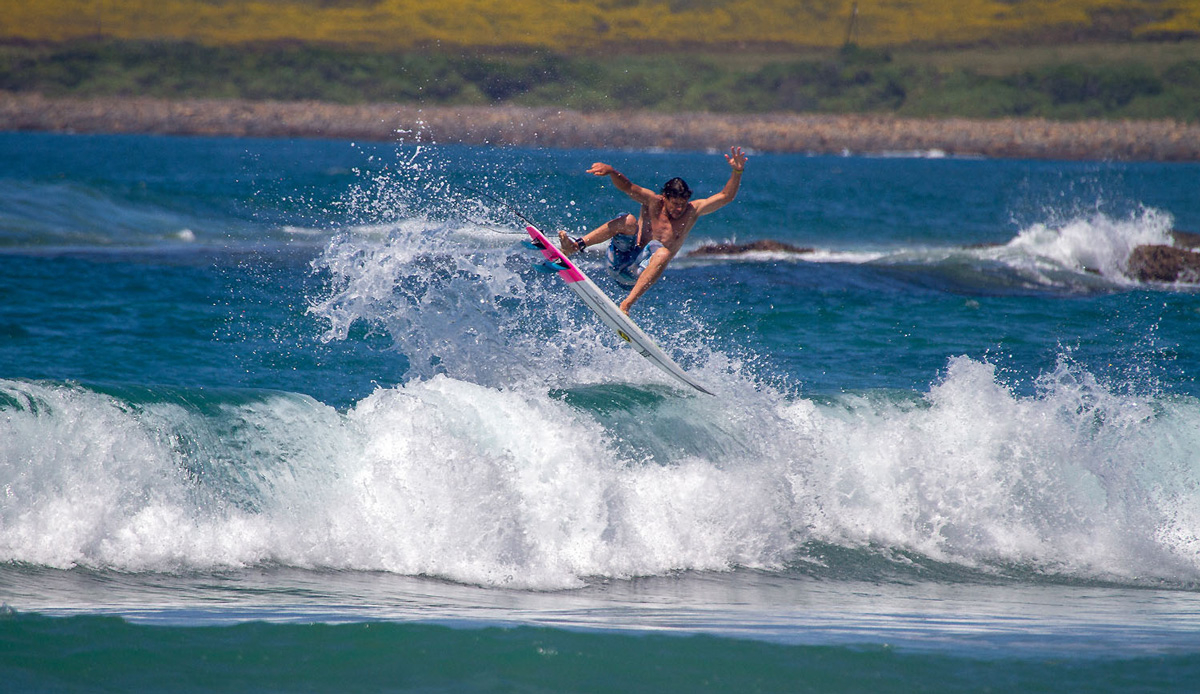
{"type": "Point", "coordinates": [547, 127]}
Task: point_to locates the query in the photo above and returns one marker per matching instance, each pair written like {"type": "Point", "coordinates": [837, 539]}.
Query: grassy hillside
{"type": "Point", "coordinates": [571, 26]}
{"type": "Point", "coordinates": [1062, 59]}
{"type": "Point", "coordinates": [1064, 84]}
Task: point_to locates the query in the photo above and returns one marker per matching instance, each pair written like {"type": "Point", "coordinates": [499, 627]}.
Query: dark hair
{"type": "Point", "coordinates": [677, 188]}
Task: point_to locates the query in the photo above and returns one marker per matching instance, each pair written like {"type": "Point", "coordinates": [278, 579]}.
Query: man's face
{"type": "Point", "coordinates": [675, 206]}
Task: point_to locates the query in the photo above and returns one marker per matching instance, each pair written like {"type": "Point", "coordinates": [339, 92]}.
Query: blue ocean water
{"type": "Point", "coordinates": [300, 415]}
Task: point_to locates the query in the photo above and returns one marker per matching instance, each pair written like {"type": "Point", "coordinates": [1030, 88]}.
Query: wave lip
{"type": "Point", "coordinates": [441, 478]}
{"type": "Point", "coordinates": [530, 488]}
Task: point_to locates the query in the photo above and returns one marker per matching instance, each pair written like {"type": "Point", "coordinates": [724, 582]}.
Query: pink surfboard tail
{"type": "Point", "coordinates": [570, 273]}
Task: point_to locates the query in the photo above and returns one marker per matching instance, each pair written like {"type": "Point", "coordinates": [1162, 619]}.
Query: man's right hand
{"type": "Point", "coordinates": [600, 169]}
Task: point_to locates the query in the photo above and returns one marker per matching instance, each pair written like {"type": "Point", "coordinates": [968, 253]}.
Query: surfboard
{"type": "Point", "coordinates": [606, 309]}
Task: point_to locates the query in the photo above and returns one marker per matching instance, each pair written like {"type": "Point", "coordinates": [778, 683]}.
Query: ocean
{"type": "Point", "coordinates": [301, 415]}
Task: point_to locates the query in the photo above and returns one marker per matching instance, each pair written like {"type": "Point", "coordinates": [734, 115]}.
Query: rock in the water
{"type": "Point", "coordinates": [762, 246]}
{"type": "Point", "coordinates": [1153, 263]}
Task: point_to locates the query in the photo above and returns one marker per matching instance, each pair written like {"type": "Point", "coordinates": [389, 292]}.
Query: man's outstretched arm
{"type": "Point", "coordinates": [623, 184]}
{"type": "Point", "coordinates": [737, 164]}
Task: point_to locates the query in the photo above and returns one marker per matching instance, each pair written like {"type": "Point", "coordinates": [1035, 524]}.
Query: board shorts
{"type": "Point", "coordinates": [627, 260]}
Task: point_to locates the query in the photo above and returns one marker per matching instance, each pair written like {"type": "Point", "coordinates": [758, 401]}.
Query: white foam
{"type": "Point", "coordinates": [438, 478]}
{"type": "Point", "coordinates": [1066, 480]}
{"type": "Point", "coordinates": [1098, 244]}
{"type": "Point", "coordinates": [513, 486]}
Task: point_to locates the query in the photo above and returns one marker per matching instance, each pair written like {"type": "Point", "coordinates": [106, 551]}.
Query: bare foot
{"type": "Point", "coordinates": [567, 244]}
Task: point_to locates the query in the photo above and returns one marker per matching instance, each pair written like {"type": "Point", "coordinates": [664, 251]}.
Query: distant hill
{"type": "Point", "coordinates": [570, 26]}
{"type": "Point", "coordinates": [1057, 59]}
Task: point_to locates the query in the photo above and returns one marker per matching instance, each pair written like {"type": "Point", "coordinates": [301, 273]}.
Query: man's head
{"type": "Point", "coordinates": [677, 194]}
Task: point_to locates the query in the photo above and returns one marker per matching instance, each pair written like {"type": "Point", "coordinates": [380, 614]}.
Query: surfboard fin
{"type": "Point", "coordinates": [549, 266]}
{"type": "Point", "coordinates": [535, 245]}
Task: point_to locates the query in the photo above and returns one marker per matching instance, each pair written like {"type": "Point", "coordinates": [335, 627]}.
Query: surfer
{"type": "Point", "coordinates": [642, 246]}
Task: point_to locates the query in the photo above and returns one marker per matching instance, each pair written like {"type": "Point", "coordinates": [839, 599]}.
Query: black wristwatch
{"type": "Point", "coordinates": [580, 243]}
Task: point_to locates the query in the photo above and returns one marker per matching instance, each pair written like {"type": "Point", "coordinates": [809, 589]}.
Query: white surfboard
{"type": "Point", "coordinates": [609, 312]}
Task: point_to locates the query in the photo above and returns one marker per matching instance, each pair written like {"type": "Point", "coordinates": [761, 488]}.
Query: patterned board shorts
{"type": "Point", "coordinates": [627, 260]}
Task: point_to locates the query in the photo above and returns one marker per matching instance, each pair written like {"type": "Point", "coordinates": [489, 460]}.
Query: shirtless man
{"type": "Point", "coordinates": [642, 246]}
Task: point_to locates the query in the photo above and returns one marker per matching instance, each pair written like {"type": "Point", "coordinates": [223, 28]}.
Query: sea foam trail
{"type": "Point", "coordinates": [519, 487]}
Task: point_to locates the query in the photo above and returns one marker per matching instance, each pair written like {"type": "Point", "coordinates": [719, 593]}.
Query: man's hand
{"type": "Point", "coordinates": [736, 158]}
{"type": "Point", "coordinates": [599, 169]}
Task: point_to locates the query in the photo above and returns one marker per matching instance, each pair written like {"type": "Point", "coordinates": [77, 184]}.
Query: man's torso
{"type": "Point", "coordinates": [655, 224]}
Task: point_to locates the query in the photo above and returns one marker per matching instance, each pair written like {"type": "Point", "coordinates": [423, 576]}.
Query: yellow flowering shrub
{"type": "Point", "coordinates": [571, 25]}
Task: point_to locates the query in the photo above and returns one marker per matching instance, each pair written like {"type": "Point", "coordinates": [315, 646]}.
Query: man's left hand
{"type": "Point", "coordinates": [736, 158]}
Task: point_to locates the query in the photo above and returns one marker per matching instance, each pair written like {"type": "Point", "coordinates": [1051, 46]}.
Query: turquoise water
{"type": "Point", "coordinates": [300, 415]}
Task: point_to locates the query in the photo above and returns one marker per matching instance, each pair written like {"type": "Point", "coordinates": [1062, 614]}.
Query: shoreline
{"type": "Point", "coordinates": [1010, 138]}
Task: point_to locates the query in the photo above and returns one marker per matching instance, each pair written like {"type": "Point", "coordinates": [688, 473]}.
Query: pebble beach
{"type": "Point", "coordinates": [1162, 140]}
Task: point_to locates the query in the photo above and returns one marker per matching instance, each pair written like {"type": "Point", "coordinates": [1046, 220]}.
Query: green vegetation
{"type": "Point", "coordinates": [852, 79]}
{"type": "Point", "coordinates": [1062, 59]}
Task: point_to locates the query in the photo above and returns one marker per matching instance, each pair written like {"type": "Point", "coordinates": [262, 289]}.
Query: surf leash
{"type": "Point", "coordinates": [549, 266]}
{"type": "Point", "coordinates": [503, 202]}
